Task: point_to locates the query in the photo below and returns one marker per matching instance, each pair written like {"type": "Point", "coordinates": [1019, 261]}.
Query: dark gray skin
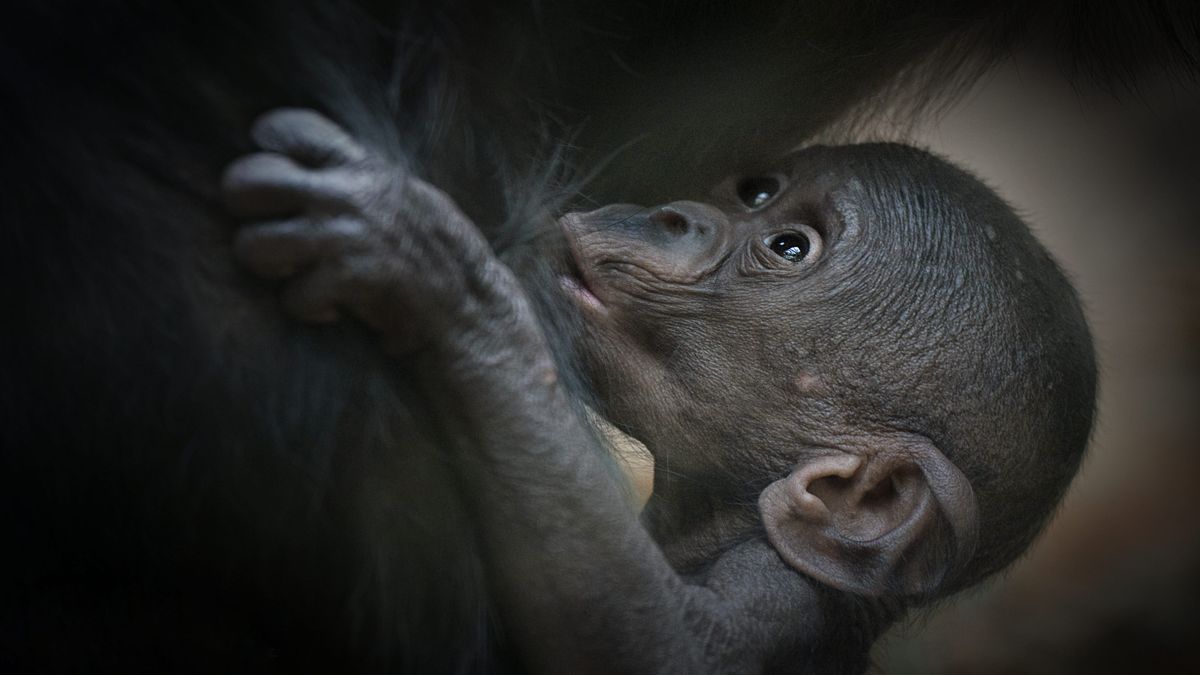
{"type": "Point", "coordinates": [847, 367]}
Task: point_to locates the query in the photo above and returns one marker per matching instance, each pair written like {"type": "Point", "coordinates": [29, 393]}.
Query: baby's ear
{"type": "Point", "coordinates": [896, 519]}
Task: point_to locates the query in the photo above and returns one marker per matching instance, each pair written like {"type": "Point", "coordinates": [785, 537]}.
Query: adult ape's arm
{"type": "Point", "coordinates": [582, 584]}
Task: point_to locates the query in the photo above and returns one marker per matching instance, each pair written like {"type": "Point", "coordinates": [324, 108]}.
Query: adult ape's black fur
{"type": "Point", "coordinates": [192, 483]}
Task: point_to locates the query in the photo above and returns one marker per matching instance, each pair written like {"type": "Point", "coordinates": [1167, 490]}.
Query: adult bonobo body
{"type": "Point", "coordinates": [848, 367]}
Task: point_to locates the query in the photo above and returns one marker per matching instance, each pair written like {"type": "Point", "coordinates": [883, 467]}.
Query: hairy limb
{"type": "Point", "coordinates": [582, 584]}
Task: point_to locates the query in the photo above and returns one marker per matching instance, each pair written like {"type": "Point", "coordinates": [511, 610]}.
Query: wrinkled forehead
{"type": "Point", "coordinates": [883, 171]}
{"type": "Point", "coordinates": [895, 189]}
{"type": "Point", "coordinates": [886, 189]}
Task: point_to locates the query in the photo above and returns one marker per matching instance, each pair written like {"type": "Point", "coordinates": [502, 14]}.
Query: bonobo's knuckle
{"type": "Point", "coordinates": [365, 192]}
{"type": "Point", "coordinates": [380, 186]}
{"type": "Point", "coordinates": [432, 201]}
{"type": "Point", "coordinates": [375, 167]}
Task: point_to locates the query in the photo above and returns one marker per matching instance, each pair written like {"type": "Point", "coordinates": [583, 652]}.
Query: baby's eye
{"type": "Point", "coordinates": [791, 246]}
{"type": "Point", "coordinates": [754, 192]}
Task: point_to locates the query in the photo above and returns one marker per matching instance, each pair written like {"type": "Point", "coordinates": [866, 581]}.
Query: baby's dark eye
{"type": "Point", "coordinates": [791, 246]}
{"type": "Point", "coordinates": [754, 192]}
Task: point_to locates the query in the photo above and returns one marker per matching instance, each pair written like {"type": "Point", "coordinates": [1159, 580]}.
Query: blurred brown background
{"type": "Point", "coordinates": [1112, 187]}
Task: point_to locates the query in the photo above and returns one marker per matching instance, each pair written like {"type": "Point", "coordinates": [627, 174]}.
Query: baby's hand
{"type": "Point", "coordinates": [346, 230]}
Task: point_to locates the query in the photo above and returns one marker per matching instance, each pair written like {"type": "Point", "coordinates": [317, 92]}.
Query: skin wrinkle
{"type": "Point", "coordinates": [641, 289]}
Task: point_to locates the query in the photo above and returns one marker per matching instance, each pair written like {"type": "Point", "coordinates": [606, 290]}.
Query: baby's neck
{"type": "Point", "coordinates": [694, 527]}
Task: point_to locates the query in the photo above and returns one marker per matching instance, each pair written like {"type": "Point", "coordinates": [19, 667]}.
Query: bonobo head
{"type": "Point", "coordinates": [865, 342]}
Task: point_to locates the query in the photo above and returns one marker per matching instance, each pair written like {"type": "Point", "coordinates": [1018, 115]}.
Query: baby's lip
{"type": "Point", "coordinates": [575, 279]}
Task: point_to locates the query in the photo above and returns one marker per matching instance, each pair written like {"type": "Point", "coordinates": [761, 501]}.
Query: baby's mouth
{"type": "Point", "coordinates": [574, 278]}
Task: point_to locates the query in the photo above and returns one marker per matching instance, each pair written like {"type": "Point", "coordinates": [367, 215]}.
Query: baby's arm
{"type": "Point", "coordinates": [581, 584]}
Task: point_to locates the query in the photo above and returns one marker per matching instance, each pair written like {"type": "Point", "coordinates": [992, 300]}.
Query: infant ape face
{"type": "Point", "coordinates": [869, 321]}
{"type": "Point", "coordinates": [711, 325]}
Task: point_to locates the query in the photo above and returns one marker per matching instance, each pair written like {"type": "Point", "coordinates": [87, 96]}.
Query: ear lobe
{"type": "Point", "coordinates": [875, 523]}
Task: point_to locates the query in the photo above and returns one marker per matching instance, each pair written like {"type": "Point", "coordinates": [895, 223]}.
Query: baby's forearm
{"type": "Point", "coordinates": [581, 583]}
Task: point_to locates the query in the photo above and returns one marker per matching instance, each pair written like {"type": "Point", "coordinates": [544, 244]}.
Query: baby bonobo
{"type": "Point", "coordinates": [864, 383]}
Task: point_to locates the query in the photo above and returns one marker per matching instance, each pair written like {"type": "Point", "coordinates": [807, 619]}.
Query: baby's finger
{"type": "Point", "coordinates": [307, 136]}
{"type": "Point", "coordinates": [277, 250]}
{"type": "Point", "coordinates": [269, 185]}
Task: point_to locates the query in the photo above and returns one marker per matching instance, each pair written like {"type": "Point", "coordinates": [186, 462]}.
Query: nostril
{"type": "Point", "coordinates": [671, 220]}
